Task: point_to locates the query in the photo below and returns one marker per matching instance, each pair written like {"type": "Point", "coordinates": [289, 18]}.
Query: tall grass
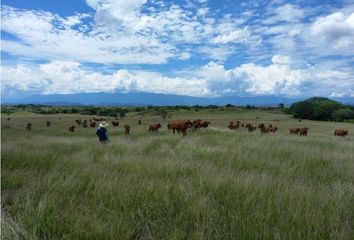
{"type": "Point", "coordinates": [211, 184]}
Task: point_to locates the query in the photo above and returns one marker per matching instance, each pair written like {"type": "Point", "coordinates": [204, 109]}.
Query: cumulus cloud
{"type": "Point", "coordinates": [336, 28]}
{"type": "Point", "coordinates": [212, 79]}
{"type": "Point", "coordinates": [70, 77]}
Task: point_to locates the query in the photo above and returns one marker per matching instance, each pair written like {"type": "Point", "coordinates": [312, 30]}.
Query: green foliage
{"type": "Point", "coordinates": [318, 108]}
{"type": "Point", "coordinates": [343, 115]}
{"type": "Point", "coordinates": [163, 114]}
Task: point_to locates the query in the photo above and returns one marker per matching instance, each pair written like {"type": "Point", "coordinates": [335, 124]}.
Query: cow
{"type": "Point", "coordinates": [96, 119]}
{"type": "Point", "coordinates": [204, 124]}
{"type": "Point", "coordinates": [103, 119]}
{"type": "Point", "coordinates": [294, 131]}
{"type": "Point", "coordinates": [303, 131]}
{"type": "Point", "coordinates": [251, 128]}
{"type": "Point", "coordinates": [273, 129]}
{"type": "Point", "coordinates": [85, 124]}
{"type": "Point", "coordinates": [261, 125]}
{"type": "Point", "coordinates": [48, 123]}
{"type": "Point", "coordinates": [8, 119]}
{"type": "Point", "coordinates": [264, 129]}
{"type": "Point", "coordinates": [93, 124]}
{"type": "Point", "coordinates": [180, 126]}
{"type": "Point", "coordinates": [154, 127]}
{"type": "Point", "coordinates": [115, 123]}
{"type": "Point", "coordinates": [232, 125]}
{"type": "Point", "coordinates": [78, 121]}
{"type": "Point", "coordinates": [340, 132]}
{"type": "Point", "coordinates": [71, 128]}
{"type": "Point", "coordinates": [29, 126]}
{"type": "Point", "coordinates": [126, 129]}
{"type": "Point", "coordinates": [139, 122]}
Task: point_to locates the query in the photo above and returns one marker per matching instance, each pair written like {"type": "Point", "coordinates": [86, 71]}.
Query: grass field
{"type": "Point", "coordinates": [211, 184]}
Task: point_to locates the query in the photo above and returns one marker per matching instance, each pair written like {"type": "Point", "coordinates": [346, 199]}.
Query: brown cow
{"type": "Point", "coordinates": [273, 129]}
{"type": "Point", "coordinates": [29, 126]}
{"type": "Point", "coordinates": [154, 127]}
{"type": "Point", "coordinates": [233, 125]}
{"type": "Point", "coordinates": [261, 125]}
{"type": "Point", "coordinates": [251, 128]}
{"type": "Point", "coordinates": [48, 123]}
{"type": "Point", "coordinates": [71, 128]}
{"type": "Point", "coordinates": [264, 129]}
{"type": "Point", "coordinates": [126, 129]}
{"type": "Point", "coordinates": [93, 124]}
{"type": "Point", "coordinates": [115, 123]}
{"type": "Point", "coordinates": [139, 122]}
{"type": "Point", "coordinates": [180, 126]}
{"type": "Point", "coordinates": [340, 132]}
{"type": "Point", "coordinates": [204, 124]}
{"type": "Point", "coordinates": [294, 131]}
{"type": "Point", "coordinates": [78, 121]}
{"type": "Point", "coordinates": [303, 131]}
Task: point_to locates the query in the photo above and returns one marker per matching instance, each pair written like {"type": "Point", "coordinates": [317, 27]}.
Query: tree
{"type": "Point", "coordinates": [163, 114]}
{"type": "Point", "coordinates": [342, 114]}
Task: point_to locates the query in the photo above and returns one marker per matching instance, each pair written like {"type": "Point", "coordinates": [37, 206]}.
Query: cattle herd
{"type": "Point", "coordinates": [181, 126]}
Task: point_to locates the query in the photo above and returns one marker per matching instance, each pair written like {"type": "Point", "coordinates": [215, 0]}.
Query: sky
{"type": "Point", "coordinates": [208, 48]}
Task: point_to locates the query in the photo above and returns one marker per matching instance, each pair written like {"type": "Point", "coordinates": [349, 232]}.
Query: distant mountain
{"type": "Point", "coordinates": [141, 98]}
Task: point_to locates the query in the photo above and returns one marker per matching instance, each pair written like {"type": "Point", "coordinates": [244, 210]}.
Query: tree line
{"type": "Point", "coordinates": [324, 109]}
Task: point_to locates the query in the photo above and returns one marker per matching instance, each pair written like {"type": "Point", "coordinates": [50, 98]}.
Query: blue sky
{"type": "Point", "coordinates": [211, 48]}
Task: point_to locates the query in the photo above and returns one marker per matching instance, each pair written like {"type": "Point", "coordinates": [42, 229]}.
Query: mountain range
{"type": "Point", "coordinates": [142, 98]}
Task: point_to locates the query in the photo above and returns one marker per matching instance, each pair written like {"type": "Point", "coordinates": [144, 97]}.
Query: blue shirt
{"type": "Point", "coordinates": [102, 134]}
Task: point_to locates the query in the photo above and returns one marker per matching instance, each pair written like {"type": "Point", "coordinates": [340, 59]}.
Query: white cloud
{"type": "Point", "coordinates": [285, 13]}
{"type": "Point", "coordinates": [119, 32]}
{"type": "Point", "coordinates": [337, 29]}
{"type": "Point", "coordinates": [239, 35]}
{"type": "Point", "coordinates": [212, 79]}
{"type": "Point", "coordinates": [70, 77]}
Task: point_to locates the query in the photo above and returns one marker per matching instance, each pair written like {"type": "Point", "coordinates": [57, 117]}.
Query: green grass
{"type": "Point", "coordinates": [211, 184]}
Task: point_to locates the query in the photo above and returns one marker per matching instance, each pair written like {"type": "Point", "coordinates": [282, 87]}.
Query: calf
{"type": "Point", "coordinates": [250, 127]}
{"type": "Point", "coordinates": [154, 127]}
{"type": "Point", "coordinates": [294, 131]}
{"type": "Point", "coordinates": [341, 133]}
{"type": "Point", "coordinates": [303, 131]}
{"type": "Point", "coordinates": [126, 129]}
{"type": "Point", "coordinates": [71, 128]}
{"type": "Point", "coordinates": [29, 126]}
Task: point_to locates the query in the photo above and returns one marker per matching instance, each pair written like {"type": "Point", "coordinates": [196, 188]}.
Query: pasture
{"type": "Point", "coordinates": [215, 183]}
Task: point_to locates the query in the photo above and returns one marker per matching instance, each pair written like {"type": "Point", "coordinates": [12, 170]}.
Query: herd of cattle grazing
{"type": "Point", "coordinates": [181, 126]}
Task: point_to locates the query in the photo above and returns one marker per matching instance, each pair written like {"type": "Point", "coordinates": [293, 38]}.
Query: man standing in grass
{"type": "Point", "coordinates": [102, 132]}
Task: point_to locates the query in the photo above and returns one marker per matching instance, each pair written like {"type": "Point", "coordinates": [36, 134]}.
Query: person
{"type": "Point", "coordinates": [102, 132]}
